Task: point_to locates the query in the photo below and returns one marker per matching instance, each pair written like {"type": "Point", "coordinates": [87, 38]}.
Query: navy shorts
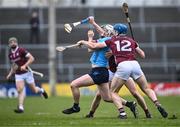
{"type": "Point", "coordinates": [99, 75]}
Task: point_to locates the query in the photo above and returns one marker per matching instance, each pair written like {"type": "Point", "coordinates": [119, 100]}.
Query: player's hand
{"type": "Point", "coordinates": [90, 33]}
{"type": "Point", "coordinates": [108, 54]}
{"type": "Point", "coordinates": [91, 19]}
{"type": "Point", "coordinates": [23, 68]}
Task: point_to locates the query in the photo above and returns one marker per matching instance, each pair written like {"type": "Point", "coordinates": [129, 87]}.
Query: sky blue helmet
{"type": "Point", "coordinates": [120, 28]}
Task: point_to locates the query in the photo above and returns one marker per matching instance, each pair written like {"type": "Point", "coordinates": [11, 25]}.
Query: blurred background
{"type": "Point", "coordinates": [156, 27]}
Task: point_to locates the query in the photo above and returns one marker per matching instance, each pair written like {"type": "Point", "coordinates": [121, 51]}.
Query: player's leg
{"type": "Point", "coordinates": [116, 85]}
{"type": "Point", "coordinates": [140, 78]}
{"type": "Point", "coordinates": [21, 93]}
{"type": "Point", "coordinates": [105, 92]}
{"type": "Point", "coordinates": [35, 89]}
{"type": "Point", "coordinates": [100, 76]}
{"type": "Point", "coordinates": [151, 94]}
{"type": "Point", "coordinates": [97, 98]}
{"type": "Point", "coordinates": [130, 84]}
{"type": "Point", "coordinates": [131, 104]}
{"type": "Point", "coordinates": [122, 74]}
{"type": "Point", "coordinates": [94, 105]}
{"type": "Point", "coordinates": [84, 80]}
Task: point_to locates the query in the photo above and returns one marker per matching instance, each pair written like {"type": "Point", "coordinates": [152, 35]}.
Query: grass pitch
{"type": "Point", "coordinates": [44, 113]}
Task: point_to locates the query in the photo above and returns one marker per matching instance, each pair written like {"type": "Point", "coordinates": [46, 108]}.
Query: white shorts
{"type": "Point", "coordinates": [128, 69]}
{"type": "Point", "coordinates": [27, 77]}
{"type": "Point", "coordinates": [111, 75]}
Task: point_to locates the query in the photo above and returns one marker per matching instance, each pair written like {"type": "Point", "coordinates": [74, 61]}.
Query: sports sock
{"type": "Point", "coordinates": [76, 105]}
{"type": "Point", "coordinates": [146, 111]}
{"type": "Point", "coordinates": [21, 107]}
{"type": "Point", "coordinates": [42, 90]}
{"type": "Point", "coordinates": [122, 112]}
{"type": "Point", "coordinates": [156, 102]}
{"type": "Point", "coordinates": [91, 113]}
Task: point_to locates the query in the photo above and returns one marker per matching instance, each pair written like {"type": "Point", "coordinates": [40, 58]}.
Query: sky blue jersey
{"type": "Point", "coordinates": [98, 57]}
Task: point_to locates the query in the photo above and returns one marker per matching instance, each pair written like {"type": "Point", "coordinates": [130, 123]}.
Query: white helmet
{"type": "Point", "coordinates": [109, 30]}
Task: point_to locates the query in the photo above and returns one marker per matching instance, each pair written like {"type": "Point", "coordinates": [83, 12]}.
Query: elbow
{"type": "Point", "coordinates": [92, 47]}
{"type": "Point", "coordinates": [143, 55]}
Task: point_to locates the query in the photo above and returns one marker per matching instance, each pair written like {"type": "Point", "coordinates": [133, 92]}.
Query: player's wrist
{"type": "Point", "coordinates": [25, 65]}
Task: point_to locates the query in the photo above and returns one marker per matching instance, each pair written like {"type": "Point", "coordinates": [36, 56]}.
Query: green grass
{"type": "Point", "coordinates": [41, 112]}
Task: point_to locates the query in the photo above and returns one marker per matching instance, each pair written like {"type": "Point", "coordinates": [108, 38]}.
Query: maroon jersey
{"type": "Point", "coordinates": [123, 48]}
{"type": "Point", "coordinates": [112, 64]}
{"type": "Point", "coordinates": [18, 56]}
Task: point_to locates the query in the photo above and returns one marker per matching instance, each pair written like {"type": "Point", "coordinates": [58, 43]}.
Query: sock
{"type": "Point", "coordinates": [146, 111]}
{"type": "Point", "coordinates": [76, 105]}
{"type": "Point", "coordinates": [42, 90]}
{"type": "Point", "coordinates": [122, 112]}
{"type": "Point", "coordinates": [128, 104]}
{"type": "Point", "coordinates": [91, 113]}
{"type": "Point", "coordinates": [156, 102]}
{"type": "Point", "coordinates": [21, 107]}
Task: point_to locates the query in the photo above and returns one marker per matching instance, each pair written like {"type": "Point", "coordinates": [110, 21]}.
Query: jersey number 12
{"type": "Point", "coordinates": [123, 45]}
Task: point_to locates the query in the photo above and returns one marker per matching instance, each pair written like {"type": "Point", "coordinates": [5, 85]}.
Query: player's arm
{"type": "Point", "coordinates": [13, 69]}
{"type": "Point", "coordinates": [10, 73]}
{"type": "Point", "coordinates": [90, 38]}
{"type": "Point", "coordinates": [29, 61]}
{"type": "Point", "coordinates": [96, 26]}
{"type": "Point", "coordinates": [92, 45]}
{"type": "Point", "coordinates": [140, 52]}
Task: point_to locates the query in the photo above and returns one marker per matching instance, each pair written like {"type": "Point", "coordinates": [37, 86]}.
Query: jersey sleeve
{"type": "Point", "coordinates": [107, 42]}
{"type": "Point", "coordinates": [136, 44]}
{"type": "Point", "coordinates": [23, 52]}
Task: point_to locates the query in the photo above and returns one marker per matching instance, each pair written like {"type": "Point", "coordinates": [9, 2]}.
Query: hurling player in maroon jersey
{"type": "Point", "coordinates": [130, 84]}
{"type": "Point", "coordinates": [108, 30]}
{"type": "Point", "coordinates": [21, 59]}
{"type": "Point", "coordinates": [124, 50]}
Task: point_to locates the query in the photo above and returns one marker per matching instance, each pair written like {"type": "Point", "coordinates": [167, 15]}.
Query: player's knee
{"type": "Point", "coordinates": [73, 85]}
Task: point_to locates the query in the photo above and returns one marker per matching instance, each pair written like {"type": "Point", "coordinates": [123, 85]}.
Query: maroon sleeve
{"type": "Point", "coordinates": [136, 44]}
{"type": "Point", "coordinates": [108, 42]}
{"type": "Point", "coordinates": [23, 52]}
{"type": "Point", "coordinates": [112, 64]}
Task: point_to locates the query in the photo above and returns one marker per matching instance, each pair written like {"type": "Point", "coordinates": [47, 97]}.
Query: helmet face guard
{"type": "Point", "coordinates": [109, 31]}
{"type": "Point", "coordinates": [120, 28]}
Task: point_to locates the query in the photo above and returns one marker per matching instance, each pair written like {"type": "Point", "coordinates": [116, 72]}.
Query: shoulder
{"type": "Point", "coordinates": [22, 50]}
{"type": "Point", "coordinates": [107, 38]}
{"type": "Point", "coordinates": [129, 39]}
{"type": "Point", "coordinates": [103, 39]}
